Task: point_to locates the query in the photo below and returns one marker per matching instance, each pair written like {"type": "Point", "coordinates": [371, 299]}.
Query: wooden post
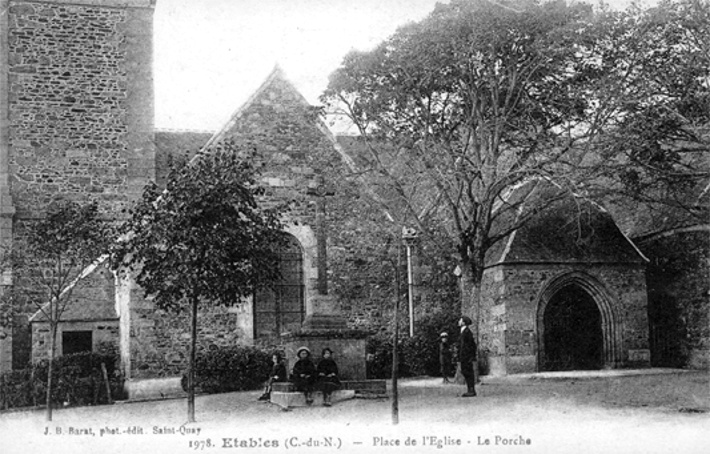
{"type": "Point", "coordinates": [108, 386]}
{"type": "Point", "coordinates": [191, 368]}
{"type": "Point", "coordinates": [4, 392]}
{"type": "Point", "coordinates": [33, 395]}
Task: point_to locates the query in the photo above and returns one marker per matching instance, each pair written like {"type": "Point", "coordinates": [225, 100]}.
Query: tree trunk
{"type": "Point", "coordinates": [191, 366]}
{"type": "Point", "coordinates": [472, 277]}
{"type": "Point", "coordinates": [50, 367]}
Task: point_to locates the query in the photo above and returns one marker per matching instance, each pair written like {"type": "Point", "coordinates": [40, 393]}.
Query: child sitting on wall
{"type": "Point", "coordinates": [278, 374]}
{"type": "Point", "coordinates": [328, 380]}
{"type": "Point", "coordinates": [304, 373]}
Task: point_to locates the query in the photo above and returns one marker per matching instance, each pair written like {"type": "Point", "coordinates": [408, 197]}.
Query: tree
{"type": "Point", "coordinates": [50, 259]}
{"type": "Point", "coordinates": [460, 112]}
{"type": "Point", "coordinates": [461, 108]}
{"type": "Point", "coordinates": [202, 241]}
{"type": "Point", "coordinates": [654, 156]}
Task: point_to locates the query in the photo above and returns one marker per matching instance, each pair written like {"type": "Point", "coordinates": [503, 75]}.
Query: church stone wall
{"type": "Point", "coordinates": [80, 102]}
{"type": "Point", "coordinates": [160, 340]}
{"type": "Point", "coordinates": [103, 332]}
{"type": "Point", "coordinates": [510, 302]}
{"type": "Point", "coordinates": [291, 153]}
{"type": "Point", "coordinates": [679, 299]}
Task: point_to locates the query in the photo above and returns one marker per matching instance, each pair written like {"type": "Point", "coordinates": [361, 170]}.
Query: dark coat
{"type": "Point", "coordinates": [278, 372]}
{"type": "Point", "coordinates": [326, 380]}
{"type": "Point", "coordinates": [304, 374]}
{"type": "Point", "coordinates": [445, 357]}
{"type": "Point", "coordinates": [467, 346]}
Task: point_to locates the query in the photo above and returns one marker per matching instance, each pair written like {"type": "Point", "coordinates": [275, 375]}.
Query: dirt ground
{"type": "Point", "coordinates": [656, 411]}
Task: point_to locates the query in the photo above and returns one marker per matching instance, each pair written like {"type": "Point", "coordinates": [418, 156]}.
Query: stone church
{"type": "Point", "coordinates": [76, 121]}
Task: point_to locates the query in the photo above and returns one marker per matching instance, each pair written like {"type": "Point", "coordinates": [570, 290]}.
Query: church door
{"type": "Point", "coordinates": [573, 332]}
{"type": "Point", "coordinates": [280, 309]}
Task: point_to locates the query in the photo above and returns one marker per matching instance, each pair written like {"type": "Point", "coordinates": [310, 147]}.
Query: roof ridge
{"type": "Point", "coordinates": [276, 72]}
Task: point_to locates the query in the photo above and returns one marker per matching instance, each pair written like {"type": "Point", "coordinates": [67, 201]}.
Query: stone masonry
{"type": "Point", "coordinates": [76, 114]}
{"type": "Point", "coordinates": [76, 122]}
{"type": "Point", "coordinates": [573, 244]}
{"type": "Point", "coordinates": [80, 103]}
{"type": "Point", "coordinates": [509, 328]}
{"type": "Point", "coordinates": [88, 311]}
{"type": "Point", "coordinates": [292, 150]}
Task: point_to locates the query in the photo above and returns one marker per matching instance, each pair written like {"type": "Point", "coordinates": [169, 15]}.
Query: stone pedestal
{"type": "Point", "coordinates": [328, 330]}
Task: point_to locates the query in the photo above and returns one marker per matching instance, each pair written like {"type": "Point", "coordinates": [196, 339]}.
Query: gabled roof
{"type": "Point", "coordinates": [277, 74]}
{"type": "Point", "coordinates": [563, 228]}
{"type": "Point", "coordinates": [277, 82]}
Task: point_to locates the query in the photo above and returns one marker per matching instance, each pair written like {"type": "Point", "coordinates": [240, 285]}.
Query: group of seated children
{"type": "Point", "coordinates": [305, 376]}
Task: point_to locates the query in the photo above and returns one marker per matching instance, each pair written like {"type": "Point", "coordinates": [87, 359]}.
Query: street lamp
{"type": "Point", "coordinates": [409, 236]}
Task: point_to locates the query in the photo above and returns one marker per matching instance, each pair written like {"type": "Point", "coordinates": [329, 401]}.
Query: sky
{"type": "Point", "coordinates": [211, 55]}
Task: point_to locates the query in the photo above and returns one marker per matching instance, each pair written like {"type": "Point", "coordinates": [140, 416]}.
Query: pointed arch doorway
{"type": "Point", "coordinates": [576, 325]}
{"type": "Point", "coordinates": [573, 332]}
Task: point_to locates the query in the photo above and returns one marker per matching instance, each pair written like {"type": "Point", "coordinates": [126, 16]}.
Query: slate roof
{"type": "Point", "coordinates": [568, 230]}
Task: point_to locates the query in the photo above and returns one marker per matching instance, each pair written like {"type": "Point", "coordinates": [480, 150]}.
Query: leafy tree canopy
{"type": "Point", "coordinates": [51, 257]}
{"type": "Point", "coordinates": [204, 238]}
{"type": "Point", "coordinates": [52, 252]}
{"type": "Point", "coordinates": [456, 111]}
{"type": "Point", "coordinates": [656, 64]}
{"type": "Point", "coordinates": [461, 107]}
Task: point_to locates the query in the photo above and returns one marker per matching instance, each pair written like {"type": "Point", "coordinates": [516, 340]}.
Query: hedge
{"type": "Point", "coordinates": [418, 355]}
{"type": "Point", "coordinates": [77, 380]}
{"type": "Point", "coordinates": [227, 369]}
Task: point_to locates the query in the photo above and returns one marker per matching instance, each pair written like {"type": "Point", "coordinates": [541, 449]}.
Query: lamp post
{"type": "Point", "coordinates": [395, 342]}
{"type": "Point", "coordinates": [409, 236]}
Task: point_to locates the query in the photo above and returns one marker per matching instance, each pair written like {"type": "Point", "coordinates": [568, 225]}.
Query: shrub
{"type": "Point", "coordinates": [418, 355]}
{"type": "Point", "coordinates": [77, 380]}
{"type": "Point", "coordinates": [17, 389]}
{"type": "Point", "coordinates": [421, 352]}
{"type": "Point", "coordinates": [379, 354]}
{"type": "Point", "coordinates": [228, 369]}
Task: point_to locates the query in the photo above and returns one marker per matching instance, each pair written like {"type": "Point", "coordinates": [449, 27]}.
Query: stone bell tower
{"type": "Point", "coordinates": [76, 117]}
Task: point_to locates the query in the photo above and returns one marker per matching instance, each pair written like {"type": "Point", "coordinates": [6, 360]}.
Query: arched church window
{"type": "Point", "coordinates": [280, 308]}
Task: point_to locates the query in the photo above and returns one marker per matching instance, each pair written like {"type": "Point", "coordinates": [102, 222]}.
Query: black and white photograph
{"type": "Point", "coordinates": [320, 226]}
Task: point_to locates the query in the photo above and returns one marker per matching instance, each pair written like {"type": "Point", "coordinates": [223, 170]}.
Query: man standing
{"type": "Point", "coordinates": [467, 356]}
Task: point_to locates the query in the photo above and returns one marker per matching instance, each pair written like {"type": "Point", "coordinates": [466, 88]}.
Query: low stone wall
{"type": "Point", "coordinates": [153, 389]}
